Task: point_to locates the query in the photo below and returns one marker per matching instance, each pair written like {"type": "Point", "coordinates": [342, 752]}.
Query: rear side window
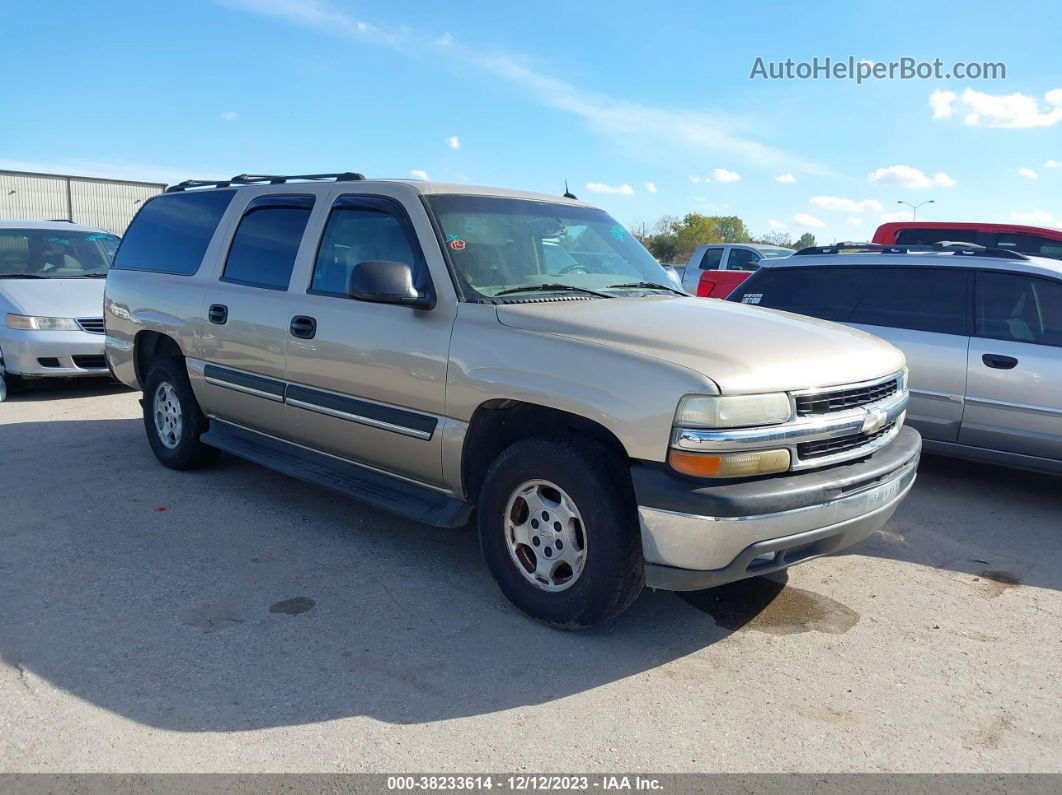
{"type": "Point", "coordinates": [263, 249]}
{"type": "Point", "coordinates": [1030, 244]}
{"type": "Point", "coordinates": [921, 299]}
{"type": "Point", "coordinates": [925, 237]}
{"type": "Point", "coordinates": [711, 259]}
{"type": "Point", "coordinates": [171, 233]}
{"type": "Point", "coordinates": [1019, 308]}
{"type": "Point", "coordinates": [741, 259]}
{"type": "Point", "coordinates": [360, 230]}
{"type": "Point", "coordinates": [826, 293]}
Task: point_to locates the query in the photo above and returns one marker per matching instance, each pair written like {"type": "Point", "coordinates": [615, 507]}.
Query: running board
{"type": "Point", "coordinates": [366, 485]}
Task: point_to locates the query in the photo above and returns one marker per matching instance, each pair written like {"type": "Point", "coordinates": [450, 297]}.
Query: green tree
{"type": "Point", "coordinates": [663, 247]}
{"type": "Point", "coordinates": [695, 229]}
{"type": "Point", "coordinates": [806, 240]}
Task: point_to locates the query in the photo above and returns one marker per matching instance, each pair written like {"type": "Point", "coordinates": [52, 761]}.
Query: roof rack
{"type": "Point", "coordinates": [956, 248]}
{"type": "Point", "coordinates": [259, 179]}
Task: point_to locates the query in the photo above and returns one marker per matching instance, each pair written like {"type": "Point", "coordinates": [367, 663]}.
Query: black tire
{"type": "Point", "coordinates": [598, 482]}
{"type": "Point", "coordinates": [188, 452]}
{"type": "Point", "coordinates": [13, 384]}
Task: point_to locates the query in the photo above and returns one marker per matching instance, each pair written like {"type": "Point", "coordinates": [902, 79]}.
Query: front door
{"type": "Point", "coordinates": [369, 383]}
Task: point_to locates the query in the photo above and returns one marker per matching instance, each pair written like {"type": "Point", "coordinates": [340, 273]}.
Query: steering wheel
{"type": "Point", "coordinates": [575, 267]}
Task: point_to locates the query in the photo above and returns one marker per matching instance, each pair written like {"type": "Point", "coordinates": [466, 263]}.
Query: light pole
{"type": "Point", "coordinates": [914, 207]}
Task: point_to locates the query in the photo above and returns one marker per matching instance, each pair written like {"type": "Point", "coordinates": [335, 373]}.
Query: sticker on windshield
{"type": "Point", "coordinates": [617, 232]}
{"type": "Point", "coordinates": [751, 298]}
{"type": "Point", "coordinates": [457, 244]}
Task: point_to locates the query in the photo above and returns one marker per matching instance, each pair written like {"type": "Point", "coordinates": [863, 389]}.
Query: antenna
{"type": "Point", "coordinates": [567, 193]}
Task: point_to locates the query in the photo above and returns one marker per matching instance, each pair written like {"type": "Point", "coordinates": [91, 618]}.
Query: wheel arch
{"type": "Point", "coordinates": [149, 346]}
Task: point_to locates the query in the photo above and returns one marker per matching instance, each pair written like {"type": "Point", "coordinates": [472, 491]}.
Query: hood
{"type": "Point", "coordinates": [54, 297]}
{"type": "Point", "coordinates": [743, 349]}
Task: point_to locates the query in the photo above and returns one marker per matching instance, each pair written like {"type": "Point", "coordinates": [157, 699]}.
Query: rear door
{"type": "Point", "coordinates": [1014, 392]}
{"type": "Point", "coordinates": [710, 260]}
{"type": "Point", "coordinates": [923, 312]}
{"type": "Point", "coordinates": [246, 314]}
{"type": "Point", "coordinates": [369, 383]}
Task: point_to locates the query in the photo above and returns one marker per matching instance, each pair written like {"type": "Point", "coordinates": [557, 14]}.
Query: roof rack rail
{"type": "Point", "coordinates": [258, 179]}
{"type": "Point", "coordinates": [956, 248]}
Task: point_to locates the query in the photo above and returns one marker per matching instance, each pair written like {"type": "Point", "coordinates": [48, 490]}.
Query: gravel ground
{"type": "Point", "coordinates": [234, 620]}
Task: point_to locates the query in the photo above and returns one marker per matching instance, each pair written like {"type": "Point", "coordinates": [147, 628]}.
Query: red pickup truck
{"type": "Point", "coordinates": [1039, 241]}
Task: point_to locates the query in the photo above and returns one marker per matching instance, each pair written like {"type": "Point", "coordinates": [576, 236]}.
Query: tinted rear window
{"type": "Point", "coordinates": [925, 237]}
{"type": "Point", "coordinates": [922, 299]}
{"type": "Point", "coordinates": [171, 233]}
{"type": "Point", "coordinates": [827, 293]}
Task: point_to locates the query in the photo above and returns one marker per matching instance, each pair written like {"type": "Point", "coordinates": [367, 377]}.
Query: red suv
{"type": "Point", "coordinates": [1038, 241]}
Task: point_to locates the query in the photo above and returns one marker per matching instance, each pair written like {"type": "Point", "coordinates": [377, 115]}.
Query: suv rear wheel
{"type": "Point", "coordinates": [172, 417]}
{"type": "Point", "coordinates": [559, 530]}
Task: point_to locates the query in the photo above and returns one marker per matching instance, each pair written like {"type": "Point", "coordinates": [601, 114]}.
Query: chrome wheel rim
{"type": "Point", "coordinates": [545, 534]}
{"type": "Point", "coordinates": [167, 410]}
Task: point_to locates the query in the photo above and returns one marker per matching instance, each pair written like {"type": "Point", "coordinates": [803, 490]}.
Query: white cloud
{"type": "Point", "coordinates": [601, 187]}
{"type": "Point", "coordinates": [1028, 173]}
{"type": "Point", "coordinates": [910, 177]}
{"type": "Point", "coordinates": [848, 205]}
{"type": "Point", "coordinates": [999, 110]}
{"type": "Point", "coordinates": [855, 221]}
{"type": "Point", "coordinates": [699, 180]}
{"type": "Point", "coordinates": [640, 125]}
{"type": "Point", "coordinates": [230, 115]}
{"type": "Point", "coordinates": [723, 175]}
{"type": "Point", "coordinates": [453, 142]}
{"type": "Point", "coordinates": [807, 219]}
{"type": "Point", "coordinates": [894, 216]}
{"type": "Point", "coordinates": [1036, 218]}
{"type": "Point", "coordinates": [1053, 164]}
{"type": "Point", "coordinates": [419, 173]}
{"type": "Point", "coordinates": [651, 187]}
{"type": "Point", "coordinates": [776, 224]}
{"type": "Point", "coordinates": [785, 178]}
{"type": "Point", "coordinates": [941, 103]}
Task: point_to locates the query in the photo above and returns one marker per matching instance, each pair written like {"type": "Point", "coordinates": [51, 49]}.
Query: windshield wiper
{"type": "Point", "coordinates": [90, 276]}
{"type": "Point", "coordinates": [531, 288]}
{"type": "Point", "coordinates": [647, 286]}
{"type": "Point", "coordinates": [21, 276]}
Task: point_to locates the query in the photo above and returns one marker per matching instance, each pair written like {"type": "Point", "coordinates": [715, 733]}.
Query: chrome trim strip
{"type": "Point", "coordinates": [1005, 404]}
{"type": "Point", "coordinates": [944, 396]}
{"type": "Point", "coordinates": [810, 428]}
{"type": "Point", "coordinates": [343, 415]}
{"type": "Point", "coordinates": [899, 375]}
{"type": "Point", "coordinates": [245, 389]}
{"type": "Point", "coordinates": [361, 464]}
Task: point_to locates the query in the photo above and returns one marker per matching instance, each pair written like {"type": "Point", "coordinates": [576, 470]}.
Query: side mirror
{"type": "Point", "coordinates": [387, 282]}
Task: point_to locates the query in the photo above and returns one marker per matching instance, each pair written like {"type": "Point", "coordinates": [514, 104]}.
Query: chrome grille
{"type": "Point", "coordinates": [840, 444]}
{"type": "Point", "coordinates": [93, 325]}
{"type": "Point", "coordinates": [844, 398]}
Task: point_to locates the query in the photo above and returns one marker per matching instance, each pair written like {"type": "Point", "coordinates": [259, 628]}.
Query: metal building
{"type": "Point", "coordinates": [107, 203]}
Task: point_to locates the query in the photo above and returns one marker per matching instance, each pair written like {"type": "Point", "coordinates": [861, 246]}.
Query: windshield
{"type": "Point", "coordinates": [55, 254]}
{"type": "Point", "coordinates": [500, 245]}
{"type": "Point", "coordinates": [776, 252]}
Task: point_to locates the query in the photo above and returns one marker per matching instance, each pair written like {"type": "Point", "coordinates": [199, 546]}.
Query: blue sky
{"type": "Point", "coordinates": [646, 109]}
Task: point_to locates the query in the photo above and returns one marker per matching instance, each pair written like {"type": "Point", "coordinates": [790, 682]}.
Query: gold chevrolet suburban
{"type": "Point", "coordinates": [442, 350]}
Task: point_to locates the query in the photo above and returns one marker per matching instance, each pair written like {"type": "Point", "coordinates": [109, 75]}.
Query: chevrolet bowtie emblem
{"type": "Point", "coordinates": [875, 420]}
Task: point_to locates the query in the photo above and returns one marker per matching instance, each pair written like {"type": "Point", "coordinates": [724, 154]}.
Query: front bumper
{"type": "Point", "coordinates": [696, 536]}
{"type": "Point", "coordinates": [64, 353]}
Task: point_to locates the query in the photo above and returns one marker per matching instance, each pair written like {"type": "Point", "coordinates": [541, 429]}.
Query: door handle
{"type": "Point", "coordinates": [303, 327]}
{"type": "Point", "coordinates": [218, 313]}
{"type": "Point", "coordinates": [998, 362]}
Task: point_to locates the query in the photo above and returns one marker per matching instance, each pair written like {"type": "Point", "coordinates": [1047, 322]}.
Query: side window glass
{"type": "Point", "coordinates": [826, 293]}
{"type": "Point", "coordinates": [263, 249]}
{"type": "Point", "coordinates": [171, 232]}
{"type": "Point", "coordinates": [922, 299]}
{"type": "Point", "coordinates": [356, 234]}
{"type": "Point", "coordinates": [924, 236]}
{"type": "Point", "coordinates": [1019, 308]}
{"type": "Point", "coordinates": [742, 259]}
{"type": "Point", "coordinates": [711, 259]}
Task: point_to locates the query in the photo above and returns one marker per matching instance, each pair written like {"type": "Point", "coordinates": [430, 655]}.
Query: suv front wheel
{"type": "Point", "coordinates": [172, 417]}
{"type": "Point", "coordinates": [559, 530]}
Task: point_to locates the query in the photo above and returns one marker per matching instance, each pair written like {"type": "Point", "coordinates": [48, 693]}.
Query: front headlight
{"type": "Point", "coordinates": [732, 411]}
{"type": "Point", "coordinates": [40, 323]}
